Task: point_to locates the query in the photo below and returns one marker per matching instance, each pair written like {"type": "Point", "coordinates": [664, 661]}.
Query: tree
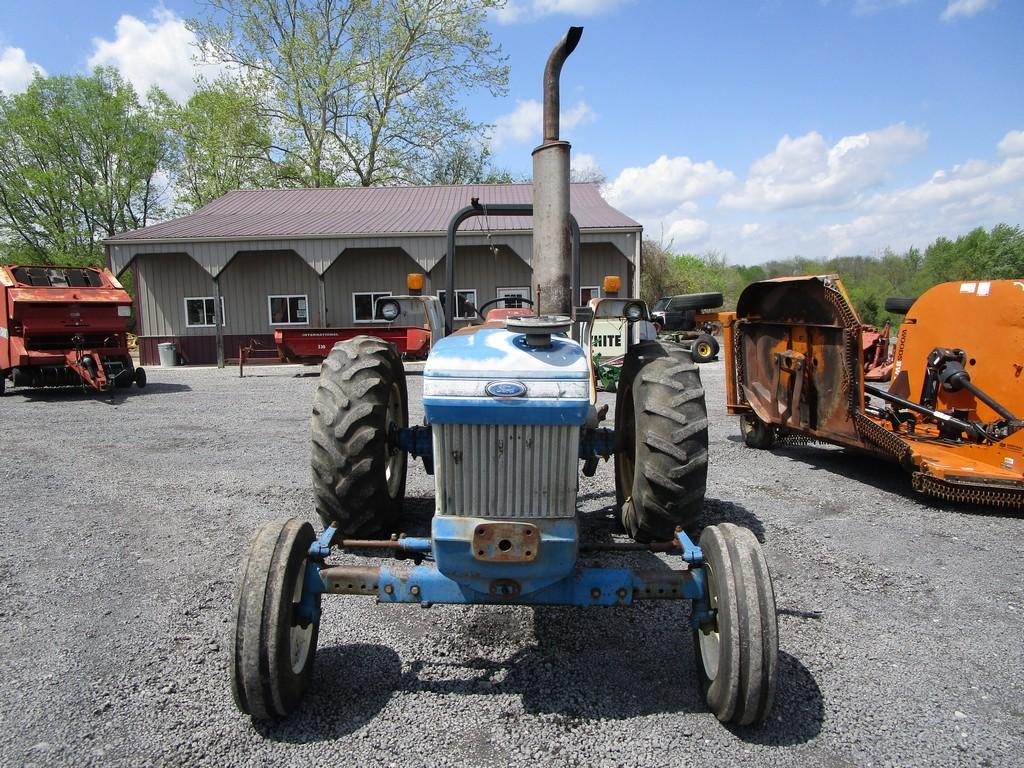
{"type": "Point", "coordinates": [79, 164]}
{"type": "Point", "coordinates": [656, 277]}
{"type": "Point", "coordinates": [468, 162]}
{"type": "Point", "coordinates": [360, 91]}
{"type": "Point", "coordinates": [219, 141]}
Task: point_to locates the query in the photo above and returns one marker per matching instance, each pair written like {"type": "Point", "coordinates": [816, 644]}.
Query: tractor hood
{"type": "Point", "coordinates": [493, 377]}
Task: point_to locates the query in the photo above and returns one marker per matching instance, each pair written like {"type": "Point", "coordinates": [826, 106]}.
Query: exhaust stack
{"type": "Point", "coordinates": [552, 255]}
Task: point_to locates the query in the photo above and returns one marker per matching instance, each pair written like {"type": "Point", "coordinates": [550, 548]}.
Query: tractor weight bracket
{"type": "Point", "coordinates": [597, 442]}
{"type": "Point", "coordinates": [416, 441]}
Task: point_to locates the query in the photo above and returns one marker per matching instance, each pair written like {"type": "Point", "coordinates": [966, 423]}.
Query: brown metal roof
{"type": "Point", "coordinates": [262, 213]}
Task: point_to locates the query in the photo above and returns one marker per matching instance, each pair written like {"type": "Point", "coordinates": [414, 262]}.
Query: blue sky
{"type": "Point", "coordinates": [757, 129]}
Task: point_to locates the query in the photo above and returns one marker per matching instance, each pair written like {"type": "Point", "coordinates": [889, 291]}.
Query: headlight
{"type": "Point", "coordinates": [390, 310]}
{"type": "Point", "coordinates": [634, 312]}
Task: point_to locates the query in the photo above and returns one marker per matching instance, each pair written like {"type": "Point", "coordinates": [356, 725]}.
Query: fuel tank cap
{"type": "Point", "coordinates": [539, 328]}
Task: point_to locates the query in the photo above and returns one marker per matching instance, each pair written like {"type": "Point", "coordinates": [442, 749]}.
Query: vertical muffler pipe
{"type": "Point", "coordinates": [552, 255]}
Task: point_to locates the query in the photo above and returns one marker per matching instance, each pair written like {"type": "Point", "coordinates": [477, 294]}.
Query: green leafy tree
{"type": "Point", "coordinates": [468, 162]}
{"type": "Point", "coordinates": [79, 164]}
{"type": "Point", "coordinates": [359, 91]}
{"type": "Point", "coordinates": [219, 141]}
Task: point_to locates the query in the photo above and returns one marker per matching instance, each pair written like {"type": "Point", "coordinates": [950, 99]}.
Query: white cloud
{"type": "Point", "coordinates": [525, 122]}
{"type": "Point", "coordinates": [805, 171]}
{"type": "Point", "coordinates": [586, 166]}
{"type": "Point", "coordinates": [663, 196]}
{"type": "Point", "coordinates": [1012, 144]}
{"type": "Point", "coordinates": [160, 52]}
{"type": "Point", "coordinates": [527, 10]}
{"type": "Point", "coordinates": [687, 231]}
{"type": "Point", "coordinates": [16, 70]}
{"type": "Point", "coordinates": [665, 186]}
{"type": "Point", "coordinates": [749, 230]}
{"type": "Point", "coordinates": [965, 8]}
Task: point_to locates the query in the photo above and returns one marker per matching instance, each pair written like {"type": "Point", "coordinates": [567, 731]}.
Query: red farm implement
{"type": "Point", "coordinates": [64, 326]}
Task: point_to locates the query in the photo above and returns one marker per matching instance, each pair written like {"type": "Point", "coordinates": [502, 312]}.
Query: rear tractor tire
{"type": "Point", "coordinates": [899, 305]}
{"type": "Point", "coordinates": [704, 348]}
{"type": "Point", "coordinates": [358, 479]}
{"type": "Point", "coordinates": [698, 301]}
{"type": "Point", "coordinates": [737, 651]}
{"type": "Point", "coordinates": [756, 434]}
{"type": "Point", "coordinates": [273, 652]}
{"type": "Point", "coordinates": [661, 463]}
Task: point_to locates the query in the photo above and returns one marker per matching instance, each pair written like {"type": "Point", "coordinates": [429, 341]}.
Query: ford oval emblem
{"type": "Point", "coordinates": [505, 389]}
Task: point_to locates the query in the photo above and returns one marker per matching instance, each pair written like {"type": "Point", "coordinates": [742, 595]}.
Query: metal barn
{"type": "Point", "coordinates": [320, 257]}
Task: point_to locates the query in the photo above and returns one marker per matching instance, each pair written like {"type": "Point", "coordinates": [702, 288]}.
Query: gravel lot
{"type": "Point", "coordinates": [123, 523]}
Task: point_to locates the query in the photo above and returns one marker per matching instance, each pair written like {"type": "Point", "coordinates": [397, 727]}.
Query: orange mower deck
{"type": "Point", "coordinates": [951, 416]}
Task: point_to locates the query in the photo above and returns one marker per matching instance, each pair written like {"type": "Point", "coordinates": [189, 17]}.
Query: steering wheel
{"type": "Point", "coordinates": [487, 304]}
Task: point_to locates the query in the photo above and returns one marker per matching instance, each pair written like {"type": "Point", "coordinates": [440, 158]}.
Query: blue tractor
{"type": "Point", "coordinates": [510, 421]}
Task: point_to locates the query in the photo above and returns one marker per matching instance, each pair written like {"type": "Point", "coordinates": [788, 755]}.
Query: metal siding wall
{"type": "Point", "coordinates": [477, 267]}
{"type": "Point", "coordinates": [600, 259]}
{"type": "Point", "coordinates": [164, 282]}
{"type": "Point", "coordinates": [252, 276]}
{"type": "Point", "coordinates": [364, 269]}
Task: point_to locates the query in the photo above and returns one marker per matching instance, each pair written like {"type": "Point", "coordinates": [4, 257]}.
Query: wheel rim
{"type": "Point", "coordinates": [704, 349]}
{"type": "Point", "coordinates": [299, 638]}
{"type": "Point", "coordinates": [393, 457]}
{"type": "Point", "coordinates": [709, 638]}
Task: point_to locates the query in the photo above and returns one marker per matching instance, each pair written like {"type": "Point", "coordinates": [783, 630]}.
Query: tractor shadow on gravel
{"type": "Point", "coordinates": [113, 397]}
{"type": "Point", "coordinates": [352, 684]}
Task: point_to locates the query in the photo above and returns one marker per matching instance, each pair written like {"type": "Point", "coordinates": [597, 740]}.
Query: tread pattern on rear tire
{"type": "Point", "coordinates": [349, 439]}
{"type": "Point", "coordinates": [670, 440]}
{"type": "Point", "coordinates": [743, 691]}
{"type": "Point", "coordinates": [263, 684]}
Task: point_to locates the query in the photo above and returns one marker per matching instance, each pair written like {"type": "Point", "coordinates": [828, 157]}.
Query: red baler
{"type": "Point", "coordinates": [64, 326]}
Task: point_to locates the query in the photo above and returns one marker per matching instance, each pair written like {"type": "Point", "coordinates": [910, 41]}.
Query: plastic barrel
{"type": "Point", "coordinates": [168, 354]}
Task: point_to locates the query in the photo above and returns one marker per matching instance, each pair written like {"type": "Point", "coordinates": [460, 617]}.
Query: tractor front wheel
{"type": "Point", "coordinates": [737, 648]}
{"type": "Point", "coordinates": [661, 462]}
{"type": "Point", "coordinates": [273, 650]}
{"type": "Point", "coordinates": [140, 377]}
{"type": "Point", "coordinates": [358, 478]}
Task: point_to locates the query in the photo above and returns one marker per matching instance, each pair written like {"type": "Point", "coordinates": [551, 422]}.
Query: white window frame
{"type": "Point", "coordinates": [204, 299]}
{"type": "Point", "coordinates": [287, 297]}
{"type": "Point", "coordinates": [374, 296]}
{"type": "Point", "coordinates": [512, 293]}
{"type": "Point", "coordinates": [455, 316]}
{"type": "Point", "coordinates": [595, 293]}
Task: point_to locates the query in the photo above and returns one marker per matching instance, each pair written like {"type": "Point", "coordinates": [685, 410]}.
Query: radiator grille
{"type": "Point", "coordinates": [505, 470]}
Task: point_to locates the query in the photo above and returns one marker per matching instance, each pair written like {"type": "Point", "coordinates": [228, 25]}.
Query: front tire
{"type": "Point", "coordinates": [272, 655]}
{"type": "Point", "coordinates": [140, 377]}
{"type": "Point", "coordinates": [737, 652]}
{"type": "Point", "coordinates": [661, 463]}
{"type": "Point", "coordinates": [358, 479]}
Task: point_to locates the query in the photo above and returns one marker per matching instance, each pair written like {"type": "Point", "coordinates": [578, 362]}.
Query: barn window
{"type": "Point", "coordinates": [465, 306]}
{"type": "Point", "coordinates": [588, 292]}
{"type": "Point", "coordinates": [288, 310]}
{"type": "Point", "coordinates": [199, 312]}
{"type": "Point", "coordinates": [510, 295]}
{"type": "Point", "coordinates": [363, 304]}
